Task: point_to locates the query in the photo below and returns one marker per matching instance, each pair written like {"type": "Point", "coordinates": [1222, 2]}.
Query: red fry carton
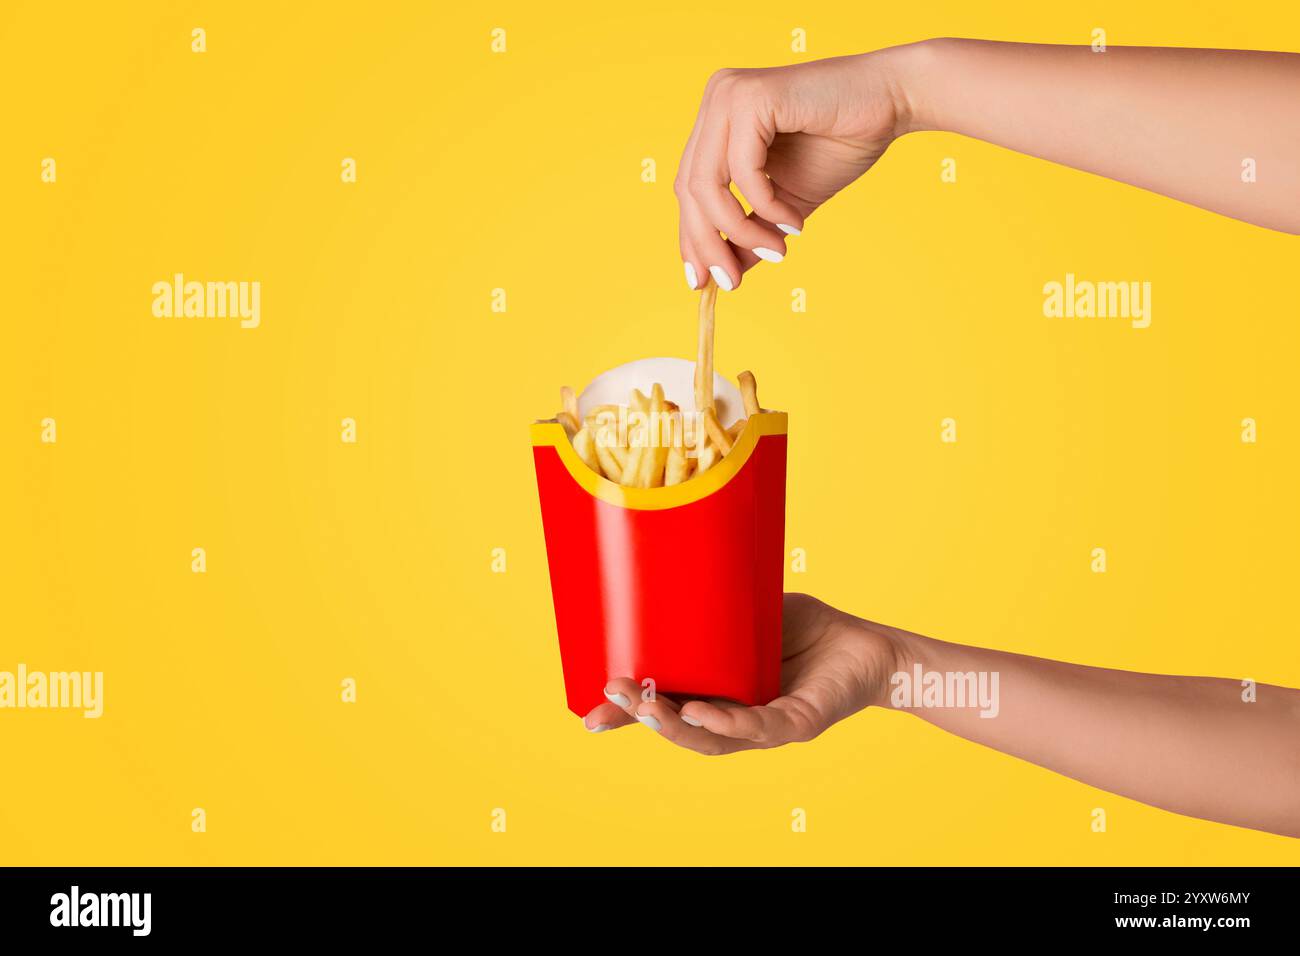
{"type": "Point", "coordinates": [680, 585]}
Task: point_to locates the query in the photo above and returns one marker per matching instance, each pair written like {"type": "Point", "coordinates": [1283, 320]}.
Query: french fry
{"type": "Point", "coordinates": [704, 358]}
{"type": "Point", "coordinates": [601, 415]}
{"type": "Point", "coordinates": [609, 464]}
{"type": "Point", "coordinates": [632, 468]}
{"type": "Point", "coordinates": [717, 434]}
{"type": "Point", "coordinates": [570, 423]}
{"type": "Point", "coordinates": [639, 401]}
{"type": "Point", "coordinates": [584, 443]}
{"type": "Point", "coordinates": [655, 457]}
{"type": "Point", "coordinates": [749, 392]}
{"type": "Point", "coordinates": [688, 430]}
{"type": "Point", "coordinates": [736, 428]}
{"type": "Point", "coordinates": [653, 462]}
{"type": "Point", "coordinates": [671, 425]}
{"type": "Point", "coordinates": [677, 467]}
{"type": "Point", "coordinates": [607, 437]}
{"type": "Point", "coordinates": [569, 401]}
{"type": "Point", "coordinates": [618, 451]}
{"type": "Point", "coordinates": [708, 457]}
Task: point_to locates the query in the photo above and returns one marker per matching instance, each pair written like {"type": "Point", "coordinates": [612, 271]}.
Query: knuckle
{"type": "Point", "coordinates": [804, 730]}
{"type": "Point", "coordinates": [745, 84]}
{"type": "Point", "coordinates": [721, 77]}
{"type": "Point", "coordinates": [698, 188]}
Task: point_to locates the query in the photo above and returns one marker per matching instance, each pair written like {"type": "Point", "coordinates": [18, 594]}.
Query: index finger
{"type": "Point", "coordinates": [746, 158]}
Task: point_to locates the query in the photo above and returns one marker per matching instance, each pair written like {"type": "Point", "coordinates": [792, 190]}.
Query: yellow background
{"type": "Point", "coordinates": [522, 171]}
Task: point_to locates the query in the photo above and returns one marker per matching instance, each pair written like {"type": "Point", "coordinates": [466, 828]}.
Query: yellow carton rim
{"type": "Point", "coordinates": [657, 499]}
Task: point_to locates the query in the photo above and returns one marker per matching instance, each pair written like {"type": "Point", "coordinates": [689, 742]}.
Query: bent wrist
{"type": "Point", "coordinates": [890, 651]}
{"type": "Point", "coordinates": [903, 655]}
{"type": "Point", "coordinates": [916, 78]}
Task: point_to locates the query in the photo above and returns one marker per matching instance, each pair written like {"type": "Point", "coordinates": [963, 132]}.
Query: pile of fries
{"type": "Point", "coordinates": [649, 443]}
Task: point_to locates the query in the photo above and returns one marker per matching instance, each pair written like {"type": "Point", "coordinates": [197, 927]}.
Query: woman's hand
{"type": "Point", "coordinates": [790, 138]}
{"type": "Point", "coordinates": [1203, 746]}
{"type": "Point", "coordinates": [834, 665]}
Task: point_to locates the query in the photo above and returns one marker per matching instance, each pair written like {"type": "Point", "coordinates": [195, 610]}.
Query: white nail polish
{"type": "Point", "coordinates": [691, 279]}
{"type": "Point", "coordinates": [688, 719]}
{"type": "Point", "coordinates": [618, 699]}
{"type": "Point", "coordinates": [768, 255]}
{"type": "Point", "coordinates": [721, 278]}
{"type": "Point", "coordinates": [650, 721]}
{"type": "Point", "coordinates": [788, 230]}
{"type": "Point", "coordinates": [598, 729]}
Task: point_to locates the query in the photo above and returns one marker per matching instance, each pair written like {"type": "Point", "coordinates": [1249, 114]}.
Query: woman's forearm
{"type": "Point", "coordinates": [1185, 123]}
{"type": "Point", "coordinates": [1205, 747]}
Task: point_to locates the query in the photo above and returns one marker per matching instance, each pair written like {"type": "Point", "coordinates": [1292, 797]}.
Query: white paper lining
{"type": "Point", "coordinates": [676, 375]}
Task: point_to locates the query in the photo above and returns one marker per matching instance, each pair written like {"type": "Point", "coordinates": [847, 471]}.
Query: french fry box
{"type": "Point", "coordinates": [680, 585]}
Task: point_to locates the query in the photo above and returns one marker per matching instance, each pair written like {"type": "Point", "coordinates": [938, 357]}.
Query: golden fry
{"type": "Point", "coordinates": [584, 443]}
{"type": "Point", "coordinates": [689, 428]}
{"type": "Point", "coordinates": [633, 466]}
{"type": "Point", "coordinates": [607, 437]}
{"type": "Point", "coordinates": [571, 426]}
{"type": "Point", "coordinates": [608, 463]}
{"type": "Point", "coordinates": [749, 392]}
{"type": "Point", "coordinates": [677, 467]}
{"type": "Point", "coordinates": [736, 428]}
{"type": "Point", "coordinates": [569, 401]}
{"type": "Point", "coordinates": [632, 469]}
{"type": "Point", "coordinates": [602, 415]}
{"type": "Point", "coordinates": [704, 359]}
{"type": "Point", "coordinates": [707, 459]}
{"type": "Point", "coordinates": [671, 425]}
{"type": "Point", "coordinates": [655, 456]}
{"type": "Point", "coordinates": [717, 434]}
{"type": "Point", "coordinates": [653, 463]}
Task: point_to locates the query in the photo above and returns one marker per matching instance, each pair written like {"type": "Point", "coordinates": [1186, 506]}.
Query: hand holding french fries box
{"type": "Point", "coordinates": [662, 490]}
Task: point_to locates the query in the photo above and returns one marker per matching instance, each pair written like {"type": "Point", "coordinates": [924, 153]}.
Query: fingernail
{"type": "Point", "coordinates": [721, 278]}
{"type": "Point", "coordinates": [686, 718]}
{"type": "Point", "coordinates": [650, 721]}
{"type": "Point", "coordinates": [768, 255]}
{"type": "Point", "coordinates": [619, 699]}
{"type": "Point", "coordinates": [788, 230]}
{"type": "Point", "coordinates": [598, 729]}
{"type": "Point", "coordinates": [691, 279]}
